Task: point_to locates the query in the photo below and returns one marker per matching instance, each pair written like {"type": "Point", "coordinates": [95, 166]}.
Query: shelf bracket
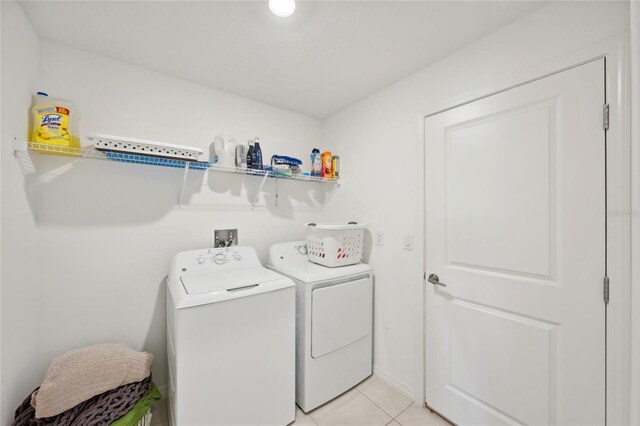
{"type": "Point", "coordinates": [18, 146]}
{"type": "Point", "coordinates": [184, 182]}
{"type": "Point", "coordinates": [255, 199]}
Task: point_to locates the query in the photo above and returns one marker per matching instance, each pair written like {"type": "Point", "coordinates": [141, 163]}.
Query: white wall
{"type": "Point", "coordinates": [381, 140]}
{"type": "Point", "coordinates": [20, 345]}
{"type": "Point", "coordinates": [86, 244]}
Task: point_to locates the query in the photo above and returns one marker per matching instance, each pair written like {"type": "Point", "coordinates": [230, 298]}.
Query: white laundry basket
{"type": "Point", "coordinates": [335, 245]}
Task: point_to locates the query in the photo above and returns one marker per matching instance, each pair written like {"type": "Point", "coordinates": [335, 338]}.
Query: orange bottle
{"type": "Point", "coordinates": [326, 164]}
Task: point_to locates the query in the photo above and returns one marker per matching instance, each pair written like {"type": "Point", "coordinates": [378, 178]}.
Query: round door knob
{"type": "Point", "coordinates": [219, 259]}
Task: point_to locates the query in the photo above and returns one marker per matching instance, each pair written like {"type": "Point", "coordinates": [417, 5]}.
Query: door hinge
{"type": "Point", "coordinates": [605, 116]}
{"type": "Point", "coordinates": [606, 290]}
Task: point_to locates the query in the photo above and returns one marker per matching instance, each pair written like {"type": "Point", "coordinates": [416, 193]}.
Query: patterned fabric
{"type": "Point", "coordinates": [100, 410]}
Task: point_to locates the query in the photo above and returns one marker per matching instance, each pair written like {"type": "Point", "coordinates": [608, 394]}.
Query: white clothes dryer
{"type": "Point", "coordinates": [230, 340]}
{"type": "Point", "coordinates": [334, 323]}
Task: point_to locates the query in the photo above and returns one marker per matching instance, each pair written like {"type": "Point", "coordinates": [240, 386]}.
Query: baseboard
{"type": "Point", "coordinates": [398, 385]}
{"type": "Point", "coordinates": [164, 390]}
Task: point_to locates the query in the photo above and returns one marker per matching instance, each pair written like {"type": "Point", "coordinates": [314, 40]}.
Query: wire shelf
{"type": "Point", "coordinates": [268, 173]}
{"type": "Point", "coordinates": [90, 152]}
{"type": "Point", "coordinates": [53, 149]}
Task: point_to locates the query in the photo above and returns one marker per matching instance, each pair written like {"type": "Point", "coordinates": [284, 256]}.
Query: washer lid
{"type": "Point", "coordinates": [227, 280]}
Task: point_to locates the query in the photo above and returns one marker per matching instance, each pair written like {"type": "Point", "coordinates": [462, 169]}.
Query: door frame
{"type": "Point", "coordinates": [635, 209]}
{"type": "Point", "coordinates": [619, 167]}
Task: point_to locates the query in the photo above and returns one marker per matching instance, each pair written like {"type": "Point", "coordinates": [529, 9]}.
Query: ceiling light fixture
{"type": "Point", "coordinates": [282, 8]}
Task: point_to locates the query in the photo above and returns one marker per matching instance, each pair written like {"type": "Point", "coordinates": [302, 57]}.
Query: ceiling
{"type": "Point", "coordinates": [327, 56]}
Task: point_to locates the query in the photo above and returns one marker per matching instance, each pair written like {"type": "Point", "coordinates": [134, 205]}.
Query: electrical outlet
{"type": "Point", "coordinates": [380, 238]}
{"type": "Point", "coordinates": [407, 241]}
{"type": "Point", "coordinates": [224, 237]}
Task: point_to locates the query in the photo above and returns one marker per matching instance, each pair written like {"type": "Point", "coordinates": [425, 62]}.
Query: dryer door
{"type": "Point", "coordinates": [340, 315]}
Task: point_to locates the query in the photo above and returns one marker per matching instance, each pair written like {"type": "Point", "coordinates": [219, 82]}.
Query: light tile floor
{"type": "Point", "coordinates": [371, 403]}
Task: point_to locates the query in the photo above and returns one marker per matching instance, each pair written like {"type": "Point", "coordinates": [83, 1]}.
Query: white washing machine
{"type": "Point", "coordinates": [230, 340]}
{"type": "Point", "coordinates": [334, 323]}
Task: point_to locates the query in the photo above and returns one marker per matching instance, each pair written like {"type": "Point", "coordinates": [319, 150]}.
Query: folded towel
{"type": "Point", "coordinates": [84, 373]}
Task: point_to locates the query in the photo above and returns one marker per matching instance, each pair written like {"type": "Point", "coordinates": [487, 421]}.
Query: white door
{"type": "Point", "coordinates": [515, 228]}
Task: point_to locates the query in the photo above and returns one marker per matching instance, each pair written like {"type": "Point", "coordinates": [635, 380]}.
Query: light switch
{"type": "Point", "coordinates": [380, 238]}
{"type": "Point", "coordinates": [407, 241]}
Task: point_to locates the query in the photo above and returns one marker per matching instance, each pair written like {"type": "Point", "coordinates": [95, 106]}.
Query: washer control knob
{"type": "Point", "coordinates": [201, 259]}
{"type": "Point", "coordinates": [219, 258]}
{"type": "Point", "coordinates": [236, 256]}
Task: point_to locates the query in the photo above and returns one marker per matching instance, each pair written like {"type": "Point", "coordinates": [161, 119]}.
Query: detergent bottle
{"type": "Point", "coordinates": [53, 124]}
{"type": "Point", "coordinates": [257, 164]}
{"type": "Point", "coordinates": [316, 163]}
{"type": "Point", "coordinates": [250, 156]}
{"type": "Point", "coordinates": [225, 150]}
{"type": "Point", "coordinates": [326, 165]}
